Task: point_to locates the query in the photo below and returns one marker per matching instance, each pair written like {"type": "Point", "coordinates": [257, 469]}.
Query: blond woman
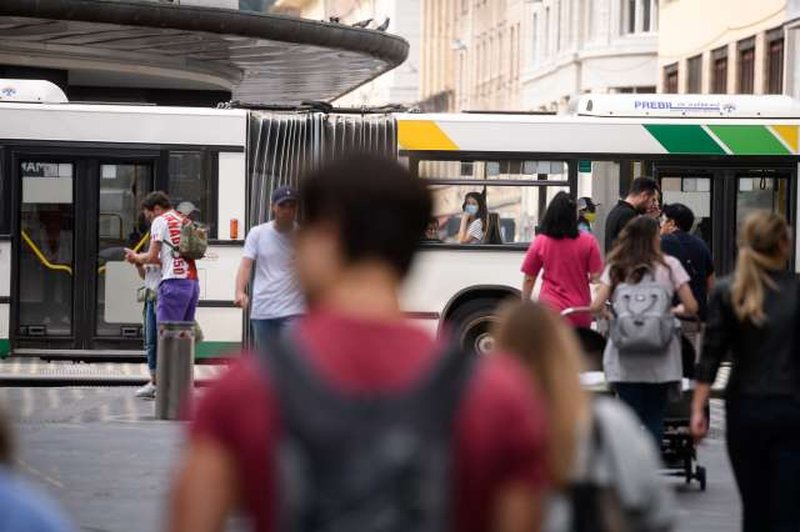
{"type": "Point", "coordinates": [602, 467]}
{"type": "Point", "coordinates": [754, 316]}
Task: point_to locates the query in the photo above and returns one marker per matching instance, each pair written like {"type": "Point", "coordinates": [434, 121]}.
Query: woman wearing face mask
{"type": "Point", "coordinates": [587, 213]}
{"type": "Point", "coordinates": [473, 221]}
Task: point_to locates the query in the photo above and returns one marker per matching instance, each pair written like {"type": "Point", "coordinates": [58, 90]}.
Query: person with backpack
{"type": "Point", "coordinates": [603, 468]}
{"type": "Point", "coordinates": [753, 317]}
{"type": "Point", "coordinates": [642, 358]}
{"type": "Point", "coordinates": [175, 242]}
{"type": "Point", "coordinates": [354, 419]}
{"type": "Point", "coordinates": [567, 257]}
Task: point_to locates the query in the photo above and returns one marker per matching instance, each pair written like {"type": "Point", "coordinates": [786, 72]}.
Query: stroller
{"type": "Point", "coordinates": [678, 451]}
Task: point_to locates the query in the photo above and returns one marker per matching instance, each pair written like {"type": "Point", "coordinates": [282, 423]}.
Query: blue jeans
{"type": "Point", "coordinates": [649, 401]}
{"type": "Point", "coordinates": [265, 331]}
{"type": "Point", "coordinates": [150, 335]}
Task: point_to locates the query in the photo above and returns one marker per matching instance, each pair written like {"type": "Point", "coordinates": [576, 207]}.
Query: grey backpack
{"type": "Point", "coordinates": [642, 317]}
{"type": "Point", "coordinates": [369, 462]}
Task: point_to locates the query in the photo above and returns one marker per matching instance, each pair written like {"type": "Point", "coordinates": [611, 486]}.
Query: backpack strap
{"type": "Point", "coordinates": [310, 402]}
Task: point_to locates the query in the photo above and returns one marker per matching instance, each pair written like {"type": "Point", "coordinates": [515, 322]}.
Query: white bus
{"type": "Point", "coordinates": [72, 177]}
{"type": "Point", "coordinates": [723, 156]}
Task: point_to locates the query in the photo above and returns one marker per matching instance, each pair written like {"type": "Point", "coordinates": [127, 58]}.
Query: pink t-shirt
{"type": "Point", "coordinates": [567, 264]}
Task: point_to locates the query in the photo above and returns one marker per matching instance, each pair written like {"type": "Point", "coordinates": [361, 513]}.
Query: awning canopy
{"type": "Point", "coordinates": [261, 59]}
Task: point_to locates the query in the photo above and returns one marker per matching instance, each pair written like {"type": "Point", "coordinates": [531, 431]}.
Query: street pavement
{"type": "Point", "coordinates": [100, 452]}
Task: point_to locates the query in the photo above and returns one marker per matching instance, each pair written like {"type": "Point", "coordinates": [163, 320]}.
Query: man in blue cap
{"type": "Point", "coordinates": [276, 296]}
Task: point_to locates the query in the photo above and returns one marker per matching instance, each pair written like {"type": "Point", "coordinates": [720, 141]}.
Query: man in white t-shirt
{"type": "Point", "coordinates": [179, 290]}
{"type": "Point", "coordinates": [276, 296]}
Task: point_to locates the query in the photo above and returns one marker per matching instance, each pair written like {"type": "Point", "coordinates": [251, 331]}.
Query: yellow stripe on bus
{"type": "Point", "coordinates": [789, 136]}
{"type": "Point", "coordinates": [423, 135]}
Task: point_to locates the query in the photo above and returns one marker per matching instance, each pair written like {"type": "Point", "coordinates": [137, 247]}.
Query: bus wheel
{"type": "Point", "coordinates": [472, 324]}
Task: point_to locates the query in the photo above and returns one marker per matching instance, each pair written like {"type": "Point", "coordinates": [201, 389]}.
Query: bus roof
{"type": "Point", "coordinates": [117, 123]}
{"type": "Point", "coordinates": [688, 106]}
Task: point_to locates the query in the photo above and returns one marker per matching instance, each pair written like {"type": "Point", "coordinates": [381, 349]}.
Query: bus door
{"type": "Point", "coordinates": [721, 198]}
{"type": "Point", "coordinates": [76, 214]}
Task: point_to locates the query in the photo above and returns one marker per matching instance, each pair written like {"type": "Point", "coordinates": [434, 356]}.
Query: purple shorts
{"type": "Point", "coordinates": [177, 300]}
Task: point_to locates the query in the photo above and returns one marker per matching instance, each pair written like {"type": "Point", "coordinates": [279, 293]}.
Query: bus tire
{"type": "Point", "coordinates": [471, 324]}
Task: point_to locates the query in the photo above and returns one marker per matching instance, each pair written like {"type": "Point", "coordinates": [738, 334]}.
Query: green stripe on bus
{"type": "Point", "coordinates": [684, 139]}
{"type": "Point", "coordinates": [749, 140]}
{"type": "Point", "coordinates": [217, 350]}
{"type": "Point", "coordinates": [5, 348]}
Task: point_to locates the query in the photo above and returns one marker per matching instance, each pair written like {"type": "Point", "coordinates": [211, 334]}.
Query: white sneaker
{"type": "Point", "coordinates": [148, 391]}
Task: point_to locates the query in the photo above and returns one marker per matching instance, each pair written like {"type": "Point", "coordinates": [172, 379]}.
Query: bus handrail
{"type": "Point", "coordinates": [136, 248]}
{"type": "Point", "coordinates": [46, 263]}
{"type": "Point", "coordinates": [65, 267]}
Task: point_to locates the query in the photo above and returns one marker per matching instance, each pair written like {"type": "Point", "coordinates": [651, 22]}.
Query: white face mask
{"type": "Point", "coordinates": [471, 209]}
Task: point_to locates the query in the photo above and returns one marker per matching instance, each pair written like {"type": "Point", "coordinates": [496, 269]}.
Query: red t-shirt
{"type": "Point", "coordinates": [567, 263]}
{"type": "Point", "coordinates": [500, 427]}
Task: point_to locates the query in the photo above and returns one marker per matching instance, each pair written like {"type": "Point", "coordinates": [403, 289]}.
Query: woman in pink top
{"type": "Point", "coordinates": [568, 258]}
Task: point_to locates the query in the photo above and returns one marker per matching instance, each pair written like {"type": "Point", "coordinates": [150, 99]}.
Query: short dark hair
{"type": "Point", "coordinates": [680, 214]}
{"type": "Point", "coordinates": [156, 199]}
{"type": "Point", "coordinates": [379, 208]}
{"type": "Point", "coordinates": [643, 184]}
{"type": "Point", "coordinates": [561, 218]}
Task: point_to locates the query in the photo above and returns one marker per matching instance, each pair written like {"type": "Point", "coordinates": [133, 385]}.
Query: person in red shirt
{"type": "Point", "coordinates": [363, 220]}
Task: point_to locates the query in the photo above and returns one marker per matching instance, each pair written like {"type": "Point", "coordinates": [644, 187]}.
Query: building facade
{"type": "Point", "coordinates": [535, 55]}
{"type": "Point", "coordinates": [472, 54]}
{"type": "Point", "coordinates": [581, 46]}
{"type": "Point", "coordinates": [729, 47]}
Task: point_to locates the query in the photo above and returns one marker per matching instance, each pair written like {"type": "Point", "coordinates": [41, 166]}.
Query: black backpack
{"type": "Point", "coordinates": [371, 463]}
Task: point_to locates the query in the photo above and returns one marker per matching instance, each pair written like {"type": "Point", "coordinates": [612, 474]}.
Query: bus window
{"type": "Point", "coordinates": [190, 187]}
{"type": "Point", "coordinates": [515, 193]}
{"type": "Point", "coordinates": [761, 193]}
{"type": "Point", "coordinates": [5, 199]}
{"type": "Point", "coordinates": [600, 182]}
{"type": "Point", "coordinates": [695, 193]}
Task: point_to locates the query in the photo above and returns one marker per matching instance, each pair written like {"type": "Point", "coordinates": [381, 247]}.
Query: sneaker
{"type": "Point", "coordinates": [148, 391]}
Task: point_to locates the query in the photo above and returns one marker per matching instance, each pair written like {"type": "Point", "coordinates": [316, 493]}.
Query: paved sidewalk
{"type": "Point", "coordinates": [21, 371]}
{"type": "Point", "coordinates": [102, 454]}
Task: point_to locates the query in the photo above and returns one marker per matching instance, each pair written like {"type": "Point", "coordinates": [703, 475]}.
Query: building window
{"type": "Point", "coordinates": [558, 26]}
{"type": "Point", "coordinates": [546, 32]}
{"type": "Point", "coordinates": [719, 70]}
{"type": "Point", "coordinates": [694, 73]}
{"type": "Point", "coordinates": [775, 62]}
{"type": "Point", "coordinates": [746, 66]}
{"type": "Point", "coordinates": [671, 79]}
{"type": "Point", "coordinates": [646, 13]}
{"type": "Point", "coordinates": [631, 12]}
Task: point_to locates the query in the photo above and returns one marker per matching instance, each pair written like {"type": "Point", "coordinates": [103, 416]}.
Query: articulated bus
{"type": "Point", "coordinates": [73, 175]}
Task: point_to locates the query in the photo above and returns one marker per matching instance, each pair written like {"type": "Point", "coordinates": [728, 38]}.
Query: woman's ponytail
{"type": "Point", "coordinates": [760, 252]}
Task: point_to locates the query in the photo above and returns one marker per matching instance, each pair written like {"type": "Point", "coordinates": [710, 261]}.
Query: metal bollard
{"type": "Point", "coordinates": [174, 373]}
